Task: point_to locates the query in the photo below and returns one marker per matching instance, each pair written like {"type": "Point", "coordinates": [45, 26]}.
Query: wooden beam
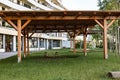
{"type": "Point", "coordinates": [25, 52]}
{"type": "Point", "coordinates": [59, 17]}
{"type": "Point", "coordinates": [105, 39]}
{"type": "Point", "coordinates": [79, 32]}
{"type": "Point", "coordinates": [25, 24]}
{"type": "Point", "coordinates": [71, 36]}
{"type": "Point", "coordinates": [19, 40]}
{"type": "Point", "coordinates": [99, 23]}
{"type": "Point", "coordinates": [12, 24]}
{"type": "Point", "coordinates": [31, 34]}
{"type": "Point", "coordinates": [111, 23]}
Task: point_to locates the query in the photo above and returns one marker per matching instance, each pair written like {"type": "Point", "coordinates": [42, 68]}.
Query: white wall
{"type": "Point", "coordinates": [56, 47]}
{"type": "Point", "coordinates": [66, 44]}
{"type": "Point", "coordinates": [2, 50]}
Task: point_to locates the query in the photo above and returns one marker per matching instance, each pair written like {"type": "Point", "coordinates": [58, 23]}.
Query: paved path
{"type": "Point", "coordinates": [4, 55]}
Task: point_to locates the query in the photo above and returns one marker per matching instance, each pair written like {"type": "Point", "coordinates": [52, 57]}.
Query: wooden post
{"type": "Point", "coordinates": [19, 40]}
{"type": "Point", "coordinates": [85, 47]}
{"type": "Point", "coordinates": [71, 44]}
{"type": "Point", "coordinates": [105, 39]}
{"type": "Point", "coordinates": [28, 43]}
{"type": "Point", "coordinates": [25, 54]}
{"type": "Point", "coordinates": [74, 45]}
{"type": "Point", "coordinates": [105, 26]}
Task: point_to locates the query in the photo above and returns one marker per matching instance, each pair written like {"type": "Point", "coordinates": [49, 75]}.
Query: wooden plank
{"type": "Point", "coordinates": [19, 40]}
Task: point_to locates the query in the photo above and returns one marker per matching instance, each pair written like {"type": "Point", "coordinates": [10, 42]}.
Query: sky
{"type": "Point", "coordinates": [80, 4]}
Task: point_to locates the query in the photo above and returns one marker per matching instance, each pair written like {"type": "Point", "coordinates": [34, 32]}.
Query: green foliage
{"type": "Point", "coordinates": [81, 45]}
{"type": "Point", "coordinates": [78, 45]}
{"type": "Point", "coordinates": [108, 4]}
{"type": "Point", "coordinates": [97, 37]}
{"type": "Point", "coordinates": [111, 5]}
{"type": "Point", "coordinates": [37, 67]}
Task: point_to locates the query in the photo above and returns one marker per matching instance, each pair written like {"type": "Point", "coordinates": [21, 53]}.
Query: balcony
{"type": "Point", "coordinates": [54, 5]}
{"type": "Point", "coordinates": [14, 5]}
{"type": "Point", "coordinates": [38, 5]}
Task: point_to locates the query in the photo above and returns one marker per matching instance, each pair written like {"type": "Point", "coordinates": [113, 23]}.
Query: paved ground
{"type": "Point", "coordinates": [4, 55]}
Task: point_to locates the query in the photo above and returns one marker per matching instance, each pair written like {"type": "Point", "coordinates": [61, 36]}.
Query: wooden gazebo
{"type": "Point", "coordinates": [76, 22]}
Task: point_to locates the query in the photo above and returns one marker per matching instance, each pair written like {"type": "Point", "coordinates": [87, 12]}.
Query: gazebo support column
{"type": "Point", "coordinates": [104, 25]}
{"type": "Point", "coordinates": [19, 40]}
{"type": "Point", "coordinates": [105, 39]}
{"type": "Point", "coordinates": [74, 45]}
{"type": "Point", "coordinates": [25, 54]}
{"type": "Point", "coordinates": [85, 46]}
{"type": "Point", "coordinates": [84, 38]}
{"type": "Point", "coordinates": [19, 27]}
{"type": "Point", "coordinates": [71, 42]}
{"type": "Point", "coordinates": [28, 51]}
{"type": "Point", "coordinates": [105, 43]}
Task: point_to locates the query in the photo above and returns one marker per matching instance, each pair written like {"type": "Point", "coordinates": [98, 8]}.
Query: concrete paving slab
{"type": "Point", "coordinates": [4, 55]}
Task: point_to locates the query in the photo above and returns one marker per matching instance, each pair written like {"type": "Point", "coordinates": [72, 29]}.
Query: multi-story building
{"type": "Point", "coordinates": [39, 41]}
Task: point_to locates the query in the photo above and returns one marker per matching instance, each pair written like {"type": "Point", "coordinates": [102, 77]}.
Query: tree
{"type": "Point", "coordinates": [108, 4]}
{"type": "Point", "coordinates": [111, 5]}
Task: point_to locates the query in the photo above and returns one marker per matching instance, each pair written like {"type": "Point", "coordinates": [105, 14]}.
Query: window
{"type": "Point", "coordinates": [1, 41]}
{"type": "Point", "coordinates": [42, 43]}
{"type": "Point", "coordinates": [8, 43]}
{"type": "Point", "coordinates": [43, 3]}
{"type": "Point", "coordinates": [12, 0]}
{"type": "Point", "coordinates": [26, 5]}
{"type": "Point", "coordinates": [55, 34]}
{"type": "Point", "coordinates": [3, 8]}
{"type": "Point", "coordinates": [56, 43]}
{"type": "Point", "coordinates": [3, 23]}
{"type": "Point", "coordinates": [33, 43]}
{"type": "Point", "coordinates": [18, 2]}
{"type": "Point", "coordinates": [59, 34]}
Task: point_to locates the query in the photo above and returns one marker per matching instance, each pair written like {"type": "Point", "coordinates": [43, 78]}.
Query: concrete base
{"type": "Point", "coordinates": [115, 74]}
{"type": "Point", "coordinates": [85, 54]}
{"type": "Point", "coordinates": [19, 60]}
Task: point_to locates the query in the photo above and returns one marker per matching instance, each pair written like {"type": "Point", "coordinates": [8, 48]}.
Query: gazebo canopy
{"type": "Point", "coordinates": [57, 21]}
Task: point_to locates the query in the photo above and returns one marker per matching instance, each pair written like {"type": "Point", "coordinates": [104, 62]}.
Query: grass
{"type": "Point", "coordinates": [66, 66]}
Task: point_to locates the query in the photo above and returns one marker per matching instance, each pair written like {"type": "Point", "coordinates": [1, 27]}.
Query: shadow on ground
{"type": "Point", "coordinates": [54, 57]}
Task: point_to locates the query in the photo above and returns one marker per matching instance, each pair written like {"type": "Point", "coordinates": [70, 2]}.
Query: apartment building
{"type": "Point", "coordinates": [39, 41]}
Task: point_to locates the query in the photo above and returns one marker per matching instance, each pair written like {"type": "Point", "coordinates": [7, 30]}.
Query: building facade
{"type": "Point", "coordinates": [39, 41]}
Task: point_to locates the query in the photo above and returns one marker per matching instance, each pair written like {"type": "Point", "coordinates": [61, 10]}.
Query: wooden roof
{"type": "Point", "coordinates": [58, 21]}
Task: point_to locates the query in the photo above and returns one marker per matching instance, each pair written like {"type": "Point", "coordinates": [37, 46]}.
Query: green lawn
{"type": "Point", "coordinates": [66, 66]}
